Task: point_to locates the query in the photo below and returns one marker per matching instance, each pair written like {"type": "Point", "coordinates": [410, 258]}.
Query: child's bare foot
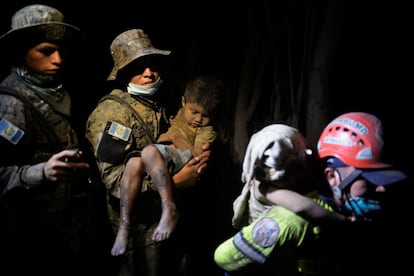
{"type": "Point", "coordinates": [168, 221]}
{"type": "Point", "coordinates": [121, 241]}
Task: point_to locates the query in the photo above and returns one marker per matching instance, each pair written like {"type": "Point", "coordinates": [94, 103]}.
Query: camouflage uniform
{"type": "Point", "coordinates": [46, 227]}
{"type": "Point", "coordinates": [55, 214]}
{"type": "Point", "coordinates": [115, 133]}
{"type": "Point", "coordinates": [111, 150]}
{"type": "Point", "coordinates": [119, 129]}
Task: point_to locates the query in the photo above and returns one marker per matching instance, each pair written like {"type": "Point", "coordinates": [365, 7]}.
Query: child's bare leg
{"type": "Point", "coordinates": [159, 173]}
{"type": "Point", "coordinates": [121, 242]}
{"type": "Point", "coordinates": [168, 221]}
{"type": "Point", "coordinates": [129, 188]}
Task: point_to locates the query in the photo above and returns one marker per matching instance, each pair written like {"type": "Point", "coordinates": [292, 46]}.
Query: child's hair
{"type": "Point", "coordinates": [206, 91]}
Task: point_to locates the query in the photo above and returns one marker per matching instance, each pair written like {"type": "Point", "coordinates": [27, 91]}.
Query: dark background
{"type": "Point", "coordinates": [300, 62]}
{"type": "Point", "coordinates": [368, 70]}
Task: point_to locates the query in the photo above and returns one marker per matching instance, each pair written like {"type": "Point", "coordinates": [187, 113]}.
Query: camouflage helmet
{"type": "Point", "coordinates": [129, 46]}
{"type": "Point", "coordinates": [40, 21]}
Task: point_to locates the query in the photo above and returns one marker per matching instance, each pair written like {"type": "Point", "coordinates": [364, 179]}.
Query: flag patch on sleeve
{"type": "Point", "coordinates": [119, 131]}
{"type": "Point", "coordinates": [10, 132]}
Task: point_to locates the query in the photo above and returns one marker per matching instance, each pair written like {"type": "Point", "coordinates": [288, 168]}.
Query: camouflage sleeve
{"type": "Point", "coordinates": [108, 130]}
{"type": "Point", "coordinates": [20, 177]}
{"type": "Point", "coordinates": [15, 145]}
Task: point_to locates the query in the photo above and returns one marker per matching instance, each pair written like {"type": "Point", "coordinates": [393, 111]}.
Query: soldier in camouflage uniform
{"type": "Point", "coordinates": [45, 209]}
{"type": "Point", "coordinates": [131, 117]}
{"type": "Point", "coordinates": [191, 128]}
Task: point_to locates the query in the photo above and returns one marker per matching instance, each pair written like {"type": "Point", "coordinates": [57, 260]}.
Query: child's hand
{"type": "Point", "coordinates": [171, 119]}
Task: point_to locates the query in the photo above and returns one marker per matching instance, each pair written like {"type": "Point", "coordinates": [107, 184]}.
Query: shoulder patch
{"type": "Point", "coordinates": [119, 131]}
{"type": "Point", "coordinates": [265, 232]}
{"type": "Point", "coordinates": [10, 132]}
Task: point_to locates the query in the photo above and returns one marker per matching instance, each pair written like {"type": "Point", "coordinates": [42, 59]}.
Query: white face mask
{"type": "Point", "coordinates": [135, 89]}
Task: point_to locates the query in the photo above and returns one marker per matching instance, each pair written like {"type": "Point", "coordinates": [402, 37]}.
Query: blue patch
{"type": "Point", "coordinates": [119, 131]}
{"type": "Point", "coordinates": [266, 232]}
{"type": "Point", "coordinates": [10, 132]}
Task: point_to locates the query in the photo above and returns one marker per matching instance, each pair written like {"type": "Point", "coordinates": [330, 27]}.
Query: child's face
{"type": "Point", "coordinates": [195, 115]}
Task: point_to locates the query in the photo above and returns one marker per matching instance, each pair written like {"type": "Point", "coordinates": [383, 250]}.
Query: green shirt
{"type": "Point", "coordinates": [272, 239]}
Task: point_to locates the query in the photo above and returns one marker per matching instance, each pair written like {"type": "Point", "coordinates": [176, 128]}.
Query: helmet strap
{"type": "Point", "coordinates": [337, 192]}
{"type": "Point", "coordinates": [349, 179]}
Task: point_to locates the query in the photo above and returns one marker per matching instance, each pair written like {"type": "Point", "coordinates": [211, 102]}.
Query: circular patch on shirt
{"type": "Point", "coordinates": [265, 232]}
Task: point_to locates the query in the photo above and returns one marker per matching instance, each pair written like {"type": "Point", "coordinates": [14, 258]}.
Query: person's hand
{"type": "Point", "coordinates": [193, 169]}
{"type": "Point", "coordinates": [201, 160]}
{"type": "Point", "coordinates": [171, 119]}
{"type": "Point", "coordinates": [61, 164]}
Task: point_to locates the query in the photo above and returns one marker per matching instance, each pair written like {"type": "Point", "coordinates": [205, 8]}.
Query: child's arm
{"type": "Point", "coordinates": [303, 206]}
